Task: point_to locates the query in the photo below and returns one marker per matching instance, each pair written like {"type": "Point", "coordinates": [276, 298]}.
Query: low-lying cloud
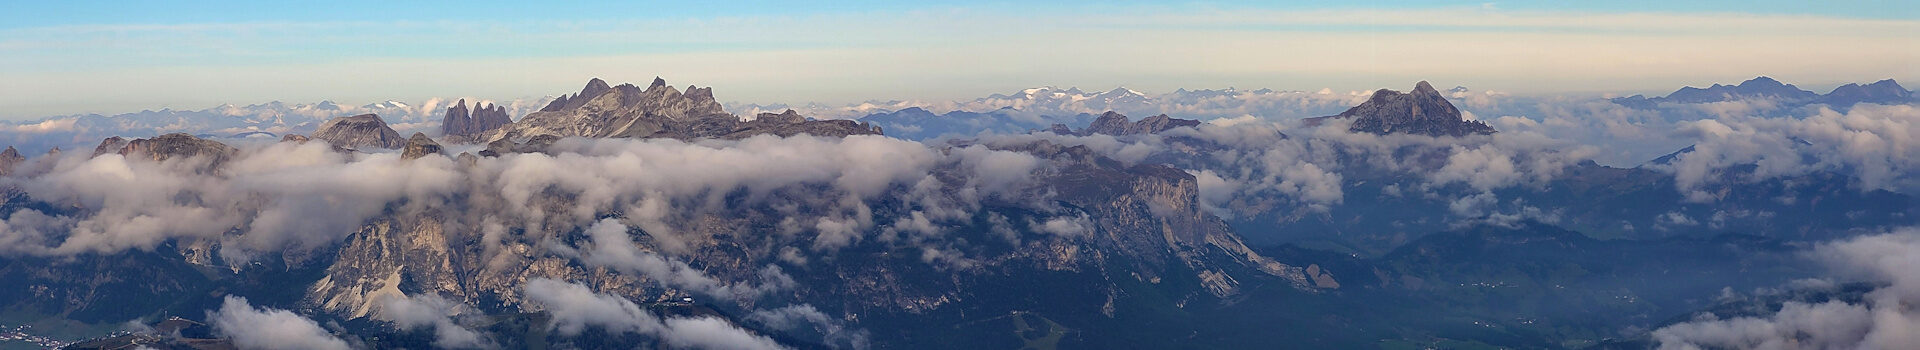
{"type": "Point", "coordinates": [432, 311]}
{"type": "Point", "coordinates": [576, 307]}
{"type": "Point", "coordinates": [1885, 319]}
{"type": "Point", "coordinates": [268, 328]}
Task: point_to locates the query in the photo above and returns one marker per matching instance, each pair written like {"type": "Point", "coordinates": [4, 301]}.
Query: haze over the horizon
{"type": "Point", "coordinates": [102, 57]}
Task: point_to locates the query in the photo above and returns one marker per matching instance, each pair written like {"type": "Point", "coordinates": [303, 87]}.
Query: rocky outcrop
{"type": "Point", "coordinates": [420, 146]}
{"type": "Point", "coordinates": [506, 145]}
{"type": "Point", "coordinates": [9, 159]}
{"type": "Point", "coordinates": [389, 257]}
{"type": "Point", "coordinates": [111, 145]}
{"type": "Point", "coordinates": [360, 131]}
{"type": "Point", "coordinates": [463, 123]}
{"type": "Point", "coordinates": [595, 88]}
{"type": "Point", "coordinates": [295, 138]}
{"type": "Point", "coordinates": [623, 110]}
{"type": "Point", "coordinates": [1151, 214]}
{"type": "Point", "coordinates": [785, 124]}
{"type": "Point", "coordinates": [179, 146]}
{"type": "Point", "coordinates": [1112, 123]}
{"type": "Point", "coordinates": [1423, 111]}
{"type": "Point", "coordinates": [661, 111]}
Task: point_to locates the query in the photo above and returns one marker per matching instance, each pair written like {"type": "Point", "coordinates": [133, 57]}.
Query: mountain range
{"type": "Point", "coordinates": [267, 121]}
{"type": "Point", "coordinates": [1879, 92]}
{"type": "Point", "coordinates": [629, 216]}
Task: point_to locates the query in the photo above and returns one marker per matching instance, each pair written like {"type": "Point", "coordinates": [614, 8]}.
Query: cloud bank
{"type": "Point", "coordinates": [269, 328]}
{"type": "Point", "coordinates": [575, 308]}
{"type": "Point", "coordinates": [1885, 319]}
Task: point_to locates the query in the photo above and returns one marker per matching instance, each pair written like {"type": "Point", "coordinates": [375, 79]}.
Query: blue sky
{"type": "Point", "coordinates": [108, 57]}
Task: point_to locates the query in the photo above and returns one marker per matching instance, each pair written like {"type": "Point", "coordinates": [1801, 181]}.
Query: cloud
{"type": "Point", "coordinates": [826, 191]}
{"type": "Point", "coordinates": [1875, 144]}
{"type": "Point", "coordinates": [613, 247]}
{"type": "Point", "coordinates": [794, 317]}
{"type": "Point", "coordinates": [275, 197]}
{"type": "Point", "coordinates": [269, 328]}
{"type": "Point", "coordinates": [1885, 319]}
{"type": "Point", "coordinates": [437, 313]}
{"type": "Point", "coordinates": [1066, 226]}
{"type": "Point", "coordinates": [575, 308]}
{"type": "Point", "coordinates": [280, 196]}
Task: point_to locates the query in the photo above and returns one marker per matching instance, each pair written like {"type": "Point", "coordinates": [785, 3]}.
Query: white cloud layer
{"type": "Point", "coordinates": [434, 312]}
{"type": "Point", "coordinates": [269, 328]}
{"type": "Point", "coordinates": [1886, 319]}
{"type": "Point", "coordinates": [575, 307]}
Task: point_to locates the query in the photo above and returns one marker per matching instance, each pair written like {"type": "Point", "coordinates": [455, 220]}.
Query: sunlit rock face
{"type": "Point", "coordinates": [660, 111]}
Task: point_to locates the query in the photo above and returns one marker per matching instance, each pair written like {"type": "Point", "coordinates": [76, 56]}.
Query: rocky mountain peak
{"type": "Point", "coordinates": [109, 145]}
{"type": "Point", "coordinates": [420, 146]}
{"type": "Point", "coordinates": [9, 159]}
{"type": "Point", "coordinates": [788, 117]}
{"type": "Point", "coordinates": [460, 123]}
{"type": "Point", "coordinates": [179, 145]}
{"type": "Point", "coordinates": [1762, 82]}
{"type": "Point", "coordinates": [1424, 87]}
{"type": "Point", "coordinates": [365, 130]}
{"type": "Point", "coordinates": [1423, 111]}
{"type": "Point", "coordinates": [1116, 124]}
{"type": "Point", "coordinates": [594, 87]}
{"type": "Point", "coordinates": [1888, 84]}
{"type": "Point", "coordinates": [622, 110]}
{"type": "Point", "coordinates": [1884, 91]}
{"type": "Point", "coordinates": [699, 94]}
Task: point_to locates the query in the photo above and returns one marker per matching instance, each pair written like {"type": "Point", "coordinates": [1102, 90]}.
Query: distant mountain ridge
{"type": "Point", "coordinates": [227, 120]}
{"type": "Point", "coordinates": [1053, 102]}
{"type": "Point", "coordinates": [1885, 91]}
{"type": "Point", "coordinates": [1116, 124]}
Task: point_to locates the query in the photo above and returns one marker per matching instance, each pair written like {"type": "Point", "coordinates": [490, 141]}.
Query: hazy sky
{"type": "Point", "coordinates": [112, 57]}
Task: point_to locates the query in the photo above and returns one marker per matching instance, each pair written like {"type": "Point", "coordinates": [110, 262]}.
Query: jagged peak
{"type": "Point", "coordinates": [594, 87]}
{"type": "Point", "coordinates": [1422, 111]}
{"type": "Point", "coordinates": [1424, 87]}
{"type": "Point", "coordinates": [419, 145]}
{"type": "Point", "coordinates": [699, 93]}
{"type": "Point", "coordinates": [1761, 81]}
{"type": "Point", "coordinates": [657, 83]}
{"type": "Point", "coordinates": [1888, 83]}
